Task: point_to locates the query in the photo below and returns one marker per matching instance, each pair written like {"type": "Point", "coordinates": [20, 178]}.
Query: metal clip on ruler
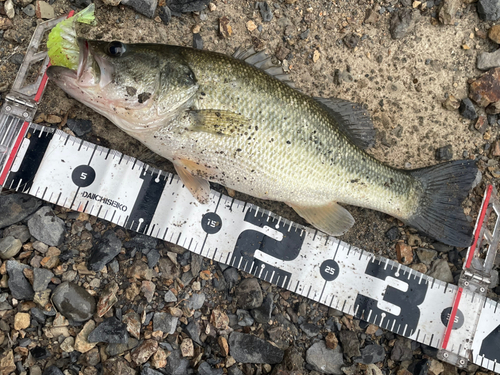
{"type": "Point", "coordinates": [21, 103]}
{"type": "Point", "coordinates": [474, 282]}
{"type": "Point", "coordinates": [49, 164]}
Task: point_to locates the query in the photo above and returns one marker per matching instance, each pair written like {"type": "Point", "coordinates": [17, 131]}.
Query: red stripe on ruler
{"type": "Point", "coordinates": [43, 83]}
{"type": "Point", "coordinates": [479, 225]}
{"type": "Point", "coordinates": [451, 321]}
{"type": "Point", "coordinates": [470, 255]}
{"type": "Point", "coordinates": [13, 154]}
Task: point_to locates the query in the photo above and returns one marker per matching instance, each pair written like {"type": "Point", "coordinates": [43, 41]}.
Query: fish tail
{"type": "Point", "coordinates": [440, 214]}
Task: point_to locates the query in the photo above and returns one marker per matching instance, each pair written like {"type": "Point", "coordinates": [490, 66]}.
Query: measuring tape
{"type": "Point", "coordinates": [64, 170]}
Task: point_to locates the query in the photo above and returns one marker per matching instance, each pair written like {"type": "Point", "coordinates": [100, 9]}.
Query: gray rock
{"type": "Point", "coordinates": [247, 348]}
{"type": "Point", "coordinates": [117, 349]}
{"type": "Point", "coordinates": [441, 270]}
{"type": "Point", "coordinates": [46, 227]}
{"type": "Point", "coordinates": [197, 41]}
{"type": "Point", "coordinates": [41, 278]}
{"type": "Point", "coordinates": [9, 247]}
{"type": "Point", "coordinates": [194, 331]}
{"type": "Point", "coordinates": [74, 302]}
{"type": "Point", "coordinates": [52, 370]}
{"type": "Point", "coordinates": [467, 109]}
{"type": "Point", "coordinates": [111, 331]}
{"type": "Point", "coordinates": [325, 360]}
{"type": "Point", "coordinates": [448, 11]}
{"type": "Point", "coordinates": [392, 233]}
{"type": "Point", "coordinates": [79, 127]}
{"type": "Point", "coordinates": [38, 315]}
{"type": "Point", "coordinates": [401, 23]}
{"type": "Point", "coordinates": [426, 256]}
{"type": "Point", "coordinates": [244, 318]}
{"type": "Point", "coordinates": [145, 7]}
{"type": "Point", "coordinates": [19, 286]}
{"type": "Point", "coordinates": [196, 262]}
{"type": "Point", "coordinates": [265, 11]}
{"type": "Point", "coordinates": [196, 301]}
{"type": "Point", "coordinates": [262, 314]}
{"type": "Point", "coordinates": [5, 306]}
{"type": "Point", "coordinates": [16, 207]}
{"type": "Point", "coordinates": [350, 343]}
{"type": "Point", "coordinates": [187, 277]}
{"type": "Point", "coordinates": [153, 258]}
{"type": "Point", "coordinates": [18, 231]}
{"type": "Point", "coordinates": [206, 369]}
{"type": "Point", "coordinates": [104, 252]}
{"type": "Point", "coordinates": [371, 354]}
{"type": "Point", "coordinates": [249, 294]}
{"type": "Point", "coordinates": [186, 6]}
{"type": "Point", "coordinates": [168, 269]}
{"type": "Point", "coordinates": [165, 14]}
{"type": "Point", "coordinates": [176, 364]}
{"type": "Point", "coordinates": [402, 350]}
{"type": "Point", "coordinates": [164, 322]}
{"type": "Point", "coordinates": [170, 297]}
{"type": "Point", "coordinates": [444, 153]}
{"type": "Point", "coordinates": [488, 60]}
{"type": "Point", "coordinates": [231, 276]}
{"type": "Point", "coordinates": [150, 371]}
{"type": "Point", "coordinates": [488, 10]}
{"type": "Point", "coordinates": [311, 330]}
{"type": "Point", "coordinates": [29, 10]}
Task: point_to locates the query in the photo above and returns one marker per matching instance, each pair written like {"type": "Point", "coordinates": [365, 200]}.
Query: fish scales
{"type": "Point", "coordinates": [223, 120]}
{"type": "Point", "coordinates": [297, 154]}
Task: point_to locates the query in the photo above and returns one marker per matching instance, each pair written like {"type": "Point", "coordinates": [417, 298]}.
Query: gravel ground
{"type": "Point", "coordinates": [81, 296]}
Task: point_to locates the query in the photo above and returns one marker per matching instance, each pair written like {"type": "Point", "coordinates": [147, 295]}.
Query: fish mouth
{"type": "Point", "coordinates": [92, 70]}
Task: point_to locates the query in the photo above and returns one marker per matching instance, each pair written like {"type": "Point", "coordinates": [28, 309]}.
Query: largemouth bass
{"type": "Point", "coordinates": [237, 122]}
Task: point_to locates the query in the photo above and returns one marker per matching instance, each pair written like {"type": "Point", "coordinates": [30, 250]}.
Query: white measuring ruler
{"type": "Point", "coordinates": [54, 166]}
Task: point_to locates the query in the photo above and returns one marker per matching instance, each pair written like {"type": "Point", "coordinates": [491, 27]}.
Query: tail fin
{"type": "Point", "coordinates": [440, 214]}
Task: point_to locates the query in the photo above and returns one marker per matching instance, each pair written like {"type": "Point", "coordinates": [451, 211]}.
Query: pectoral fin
{"type": "Point", "coordinates": [199, 187]}
{"type": "Point", "coordinates": [219, 122]}
{"type": "Point", "coordinates": [331, 218]}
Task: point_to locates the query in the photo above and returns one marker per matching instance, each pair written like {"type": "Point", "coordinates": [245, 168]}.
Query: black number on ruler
{"type": "Point", "coordinates": [83, 175]}
{"type": "Point", "coordinates": [38, 143]}
{"type": "Point", "coordinates": [211, 222]}
{"type": "Point", "coordinates": [147, 200]}
{"type": "Point", "coordinates": [459, 318]}
{"type": "Point", "coordinates": [251, 240]}
{"type": "Point", "coordinates": [490, 345]}
{"type": "Point", "coordinates": [407, 320]}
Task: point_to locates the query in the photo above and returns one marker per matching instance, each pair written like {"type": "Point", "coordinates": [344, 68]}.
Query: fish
{"type": "Point", "coordinates": [239, 121]}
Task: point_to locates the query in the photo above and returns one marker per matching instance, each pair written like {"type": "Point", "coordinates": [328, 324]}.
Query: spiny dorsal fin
{"type": "Point", "coordinates": [219, 122]}
{"type": "Point", "coordinates": [262, 61]}
{"type": "Point", "coordinates": [352, 119]}
{"type": "Point", "coordinates": [331, 218]}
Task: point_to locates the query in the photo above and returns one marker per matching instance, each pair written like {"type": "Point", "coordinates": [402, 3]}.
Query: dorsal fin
{"type": "Point", "coordinates": [262, 61]}
{"type": "Point", "coordinates": [352, 119]}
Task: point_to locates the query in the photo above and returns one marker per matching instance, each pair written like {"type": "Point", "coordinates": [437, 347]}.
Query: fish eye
{"type": "Point", "coordinates": [115, 49]}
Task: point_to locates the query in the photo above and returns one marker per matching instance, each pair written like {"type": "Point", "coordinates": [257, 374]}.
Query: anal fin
{"type": "Point", "coordinates": [199, 187]}
{"type": "Point", "coordinates": [332, 218]}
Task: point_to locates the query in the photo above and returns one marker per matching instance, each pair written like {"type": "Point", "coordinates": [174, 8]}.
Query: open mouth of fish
{"type": "Point", "coordinates": [92, 69]}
